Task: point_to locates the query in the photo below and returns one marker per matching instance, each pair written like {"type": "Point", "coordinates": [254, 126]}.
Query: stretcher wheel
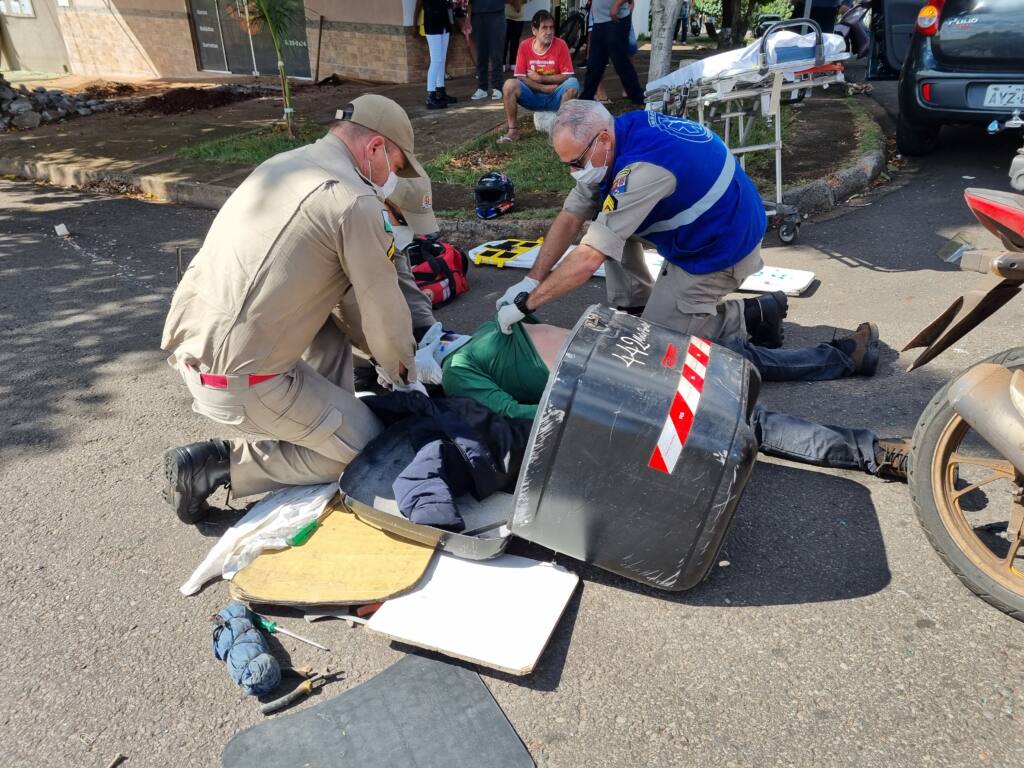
{"type": "Point", "coordinates": [788, 232]}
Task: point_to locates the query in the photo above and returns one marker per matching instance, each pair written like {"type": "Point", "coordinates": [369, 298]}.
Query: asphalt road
{"type": "Point", "coordinates": [832, 636]}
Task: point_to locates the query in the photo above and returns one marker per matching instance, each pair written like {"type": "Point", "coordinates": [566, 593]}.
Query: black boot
{"type": "Point", "coordinates": [193, 472]}
{"type": "Point", "coordinates": [434, 101]}
{"type": "Point", "coordinates": [764, 316]}
{"type": "Point", "coordinates": [443, 93]}
{"type": "Point", "coordinates": [892, 454]}
{"type": "Point", "coordinates": [862, 347]}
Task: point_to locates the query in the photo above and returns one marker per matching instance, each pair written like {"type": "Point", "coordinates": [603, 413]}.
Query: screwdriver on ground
{"type": "Point", "coordinates": [268, 626]}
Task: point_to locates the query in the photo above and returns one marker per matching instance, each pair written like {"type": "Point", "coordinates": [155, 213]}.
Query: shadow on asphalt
{"type": "Point", "coordinates": [97, 297]}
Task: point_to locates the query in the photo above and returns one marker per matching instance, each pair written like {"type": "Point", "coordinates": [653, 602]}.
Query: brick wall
{"type": "Point", "coordinates": [149, 38]}
{"type": "Point", "coordinates": [390, 54]}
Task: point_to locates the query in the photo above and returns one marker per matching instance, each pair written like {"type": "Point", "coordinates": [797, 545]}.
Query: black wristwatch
{"type": "Point", "coordinates": [520, 302]}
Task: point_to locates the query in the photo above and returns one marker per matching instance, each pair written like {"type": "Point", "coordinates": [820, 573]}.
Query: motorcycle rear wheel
{"type": "Point", "coordinates": [949, 467]}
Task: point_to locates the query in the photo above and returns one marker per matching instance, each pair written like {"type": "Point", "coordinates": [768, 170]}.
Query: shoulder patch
{"type": "Point", "coordinates": [610, 204]}
{"type": "Point", "coordinates": [428, 202]}
{"type": "Point", "coordinates": [391, 251]}
{"type": "Point", "coordinates": [619, 183]}
{"type": "Point", "coordinates": [386, 217]}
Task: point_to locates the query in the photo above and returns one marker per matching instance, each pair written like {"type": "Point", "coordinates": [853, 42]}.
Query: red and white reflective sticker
{"type": "Point", "coordinates": [684, 406]}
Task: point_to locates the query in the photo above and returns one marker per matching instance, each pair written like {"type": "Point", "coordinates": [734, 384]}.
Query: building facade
{"type": "Point", "coordinates": [373, 40]}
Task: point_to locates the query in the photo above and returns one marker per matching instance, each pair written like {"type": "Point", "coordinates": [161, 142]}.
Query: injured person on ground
{"type": "Point", "coordinates": [508, 374]}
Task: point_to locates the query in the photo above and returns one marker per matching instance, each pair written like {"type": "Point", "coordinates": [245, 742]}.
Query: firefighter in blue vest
{"type": "Point", "coordinates": [669, 182]}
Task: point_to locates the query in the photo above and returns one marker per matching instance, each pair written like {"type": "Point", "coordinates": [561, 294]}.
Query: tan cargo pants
{"type": "Point", "coordinates": [300, 428]}
{"type": "Point", "coordinates": [688, 303]}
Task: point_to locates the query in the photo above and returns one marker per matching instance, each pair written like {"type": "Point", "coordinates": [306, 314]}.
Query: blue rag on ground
{"type": "Point", "coordinates": [237, 641]}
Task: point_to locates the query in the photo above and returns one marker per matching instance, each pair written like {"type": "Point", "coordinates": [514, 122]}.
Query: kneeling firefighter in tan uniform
{"type": "Point", "coordinates": [301, 252]}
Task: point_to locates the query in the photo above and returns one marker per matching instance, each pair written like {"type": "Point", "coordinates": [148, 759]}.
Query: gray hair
{"type": "Point", "coordinates": [582, 119]}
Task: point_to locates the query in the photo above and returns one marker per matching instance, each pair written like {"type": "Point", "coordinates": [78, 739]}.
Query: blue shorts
{"type": "Point", "coordinates": [545, 102]}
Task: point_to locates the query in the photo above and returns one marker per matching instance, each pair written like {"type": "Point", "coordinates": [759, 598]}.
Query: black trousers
{"type": "Point", "coordinates": [513, 34]}
{"type": "Point", "coordinates": [610, 41]}
{"type": "Point", "coordinates": [489, 33]}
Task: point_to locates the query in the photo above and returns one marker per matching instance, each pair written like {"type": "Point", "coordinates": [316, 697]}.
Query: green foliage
{"type": "Point", "coordinates": [272, 15]}
{"type": "Point", "coordinates": [252, 147]}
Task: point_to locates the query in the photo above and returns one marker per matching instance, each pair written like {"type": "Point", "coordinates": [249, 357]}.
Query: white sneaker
{"type": "Point", "coordinates": [478, 94]}
{"type": "Point", "coordinates": [496, 95]}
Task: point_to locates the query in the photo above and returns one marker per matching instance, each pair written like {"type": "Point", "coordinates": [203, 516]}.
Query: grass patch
{"type": "Point", "coordinates": [529, 161]}
{"type": "Point", "coordinates": [865, 127]}
{"type": "Point", "coordinates": [515, 214]}
{"type": "Point", "coordinates": [251, 147]}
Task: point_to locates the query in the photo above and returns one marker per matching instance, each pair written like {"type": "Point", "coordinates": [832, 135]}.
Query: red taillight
{"type": "Point", "coordinates": [929, 16]}
{"type": "Point", "coordinates": [926, 91]}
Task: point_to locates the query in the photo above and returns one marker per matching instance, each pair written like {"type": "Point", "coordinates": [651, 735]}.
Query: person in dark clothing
{"type": "Point", "coordinates": [487, 20]}
{"type": "Point", "coordinates": [609, 40]}
{"type": "Point", "coordinates": [515, 20]}
{"type": "Point", "coordinates": [437, 26]}
{"type": "Point", "coordinates": [508, 373]}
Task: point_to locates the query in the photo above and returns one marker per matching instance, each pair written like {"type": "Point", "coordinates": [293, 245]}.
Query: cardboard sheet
{"type": "Point", "coordinates": [345, 562]}
{"type": "Point", "coordinates": [522, 254]}
{"type": "Point", "coordinates": [499, 613]}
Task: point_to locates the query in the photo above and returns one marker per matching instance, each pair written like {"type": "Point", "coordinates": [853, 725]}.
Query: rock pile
{"type": "Point", "coordinates": [24, 109]}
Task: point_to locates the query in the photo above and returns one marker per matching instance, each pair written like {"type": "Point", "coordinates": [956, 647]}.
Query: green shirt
{"type": "Point", "coordinates": [503, 372]}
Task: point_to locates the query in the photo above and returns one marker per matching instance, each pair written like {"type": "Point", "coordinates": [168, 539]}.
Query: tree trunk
{"type": "Point", "coordinates": [286, 90]}
{"type": "Point", "coordinates": [730, 18]}
{"type": "Point", "coordinates": [664, 14]}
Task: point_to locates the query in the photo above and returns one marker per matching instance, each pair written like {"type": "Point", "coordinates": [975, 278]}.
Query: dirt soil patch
{"type": "Point", "coordinates": [822, 139]}
{"type": "Point", "coordinates": [190, 99]}
{"type": "Point", "coordinates": [104, 89]}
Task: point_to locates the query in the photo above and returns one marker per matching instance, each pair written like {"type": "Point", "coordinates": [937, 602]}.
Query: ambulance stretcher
{"type": "Point", "coordinates": [736, 87]}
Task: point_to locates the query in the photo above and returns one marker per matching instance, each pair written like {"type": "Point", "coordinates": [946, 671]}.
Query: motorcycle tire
{"type": "Point", "coordinates": [930, 428]}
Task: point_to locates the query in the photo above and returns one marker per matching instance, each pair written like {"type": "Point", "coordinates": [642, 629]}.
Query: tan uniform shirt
{"type": "Point", "coordinates": [302, 235]}
{"type": "Point", "coordinates": [617, 218]}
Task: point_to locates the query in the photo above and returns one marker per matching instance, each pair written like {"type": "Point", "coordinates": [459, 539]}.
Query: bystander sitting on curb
{"type": "Point", "coordinates": [544, 75]}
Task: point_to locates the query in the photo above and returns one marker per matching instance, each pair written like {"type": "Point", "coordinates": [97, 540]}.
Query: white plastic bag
{"type": "Point", "coordinates": [266, 526]}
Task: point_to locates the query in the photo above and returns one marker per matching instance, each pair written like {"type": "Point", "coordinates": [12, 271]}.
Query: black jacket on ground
{"type": "Point", "coordinates": [461, 447]}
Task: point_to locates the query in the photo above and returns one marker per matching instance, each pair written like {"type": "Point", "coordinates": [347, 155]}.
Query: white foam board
{"type": "Point", "coordinates": [499, 613]}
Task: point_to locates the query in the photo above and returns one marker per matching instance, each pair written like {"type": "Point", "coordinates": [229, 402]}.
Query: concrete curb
{"type": "Point", "coordinates": [66, 175]}
{"type": "Point", "coordinates": [814, 197]}
{"type": "Point", "coordinates": [826, 193]}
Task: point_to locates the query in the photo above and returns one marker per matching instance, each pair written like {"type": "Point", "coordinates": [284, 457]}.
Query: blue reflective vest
{"type": "Point", "coordinates": [714, 217]}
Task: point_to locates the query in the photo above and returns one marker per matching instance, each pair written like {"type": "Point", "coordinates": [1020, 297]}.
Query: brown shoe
{"type": "Point", "coordinates": [862, 347]}
{"type": "Point", "coordinates": [892, 454]}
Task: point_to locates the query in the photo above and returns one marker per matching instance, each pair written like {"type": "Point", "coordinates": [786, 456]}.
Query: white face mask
{"type": "Point", "coordinates": [385, 190]}
{"type": "Point", "coordinates": [591, 175]}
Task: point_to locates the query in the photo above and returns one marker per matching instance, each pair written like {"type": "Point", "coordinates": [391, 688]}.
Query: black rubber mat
{"type": "Point", "coordinates": [418, 713]}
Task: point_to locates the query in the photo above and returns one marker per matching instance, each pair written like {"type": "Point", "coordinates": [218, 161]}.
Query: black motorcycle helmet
{"type": "Point", "coordinates": [495, 195]}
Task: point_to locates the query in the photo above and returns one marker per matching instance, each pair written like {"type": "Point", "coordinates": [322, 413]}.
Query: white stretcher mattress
{"type": "Point", "coordinates": [743, 63]}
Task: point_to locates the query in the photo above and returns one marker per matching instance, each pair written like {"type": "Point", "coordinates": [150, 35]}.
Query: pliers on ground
{"type": "Point", "coordinates": [313, 679]}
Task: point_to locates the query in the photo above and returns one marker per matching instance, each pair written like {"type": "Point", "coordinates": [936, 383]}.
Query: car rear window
{"type": "Point", "coordinates": [979, 7]}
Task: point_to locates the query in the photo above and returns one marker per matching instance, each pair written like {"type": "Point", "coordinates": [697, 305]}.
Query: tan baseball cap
{"type": "Point", "coordinates": [386, 117]}
{"type": "Point", "coordinates": [415, 200]}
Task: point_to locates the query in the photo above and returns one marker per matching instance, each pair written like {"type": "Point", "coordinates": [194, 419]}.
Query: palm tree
{"type": "Point", "coordinates": [275, 16]}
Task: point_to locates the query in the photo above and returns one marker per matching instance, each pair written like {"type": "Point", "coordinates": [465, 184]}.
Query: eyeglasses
{"type": "Point", "coordinates": [577, 164]}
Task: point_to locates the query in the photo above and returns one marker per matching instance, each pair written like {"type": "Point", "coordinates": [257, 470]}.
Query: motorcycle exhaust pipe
{"type": "Point", "coordinates": [984, 398]}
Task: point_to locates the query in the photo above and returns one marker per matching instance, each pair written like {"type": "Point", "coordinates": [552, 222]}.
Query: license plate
{"type": "Point", "coordinates": [1004, 96]}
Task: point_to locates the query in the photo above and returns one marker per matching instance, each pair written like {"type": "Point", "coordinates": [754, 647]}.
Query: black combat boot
{"type": "Point", "coordinates": [434, 101]}
{"type": "Point", "coordinates": [443, 93]}
{"type": "Point", "coordinates": [892, 454]}
{"type": "Point", "coordinates": [194, 472]}
{"type": "Point", "coordinates": [862, 347]}
{"type": "Point", "coordinates": [764, 316]}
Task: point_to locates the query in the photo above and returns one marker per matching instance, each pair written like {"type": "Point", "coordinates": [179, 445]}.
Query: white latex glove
{"type": "Point", "coordinates": [526, 285]}
{"type": "Point", "coordinates": [508, 315]}
{"type": "Point", "coordinates": [427, 369]}
{"type": "Point", "coordinates": [385, 380]}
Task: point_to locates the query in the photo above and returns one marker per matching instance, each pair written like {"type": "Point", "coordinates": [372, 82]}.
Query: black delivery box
{"type": "Point", "coordinates": [639, 454]}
